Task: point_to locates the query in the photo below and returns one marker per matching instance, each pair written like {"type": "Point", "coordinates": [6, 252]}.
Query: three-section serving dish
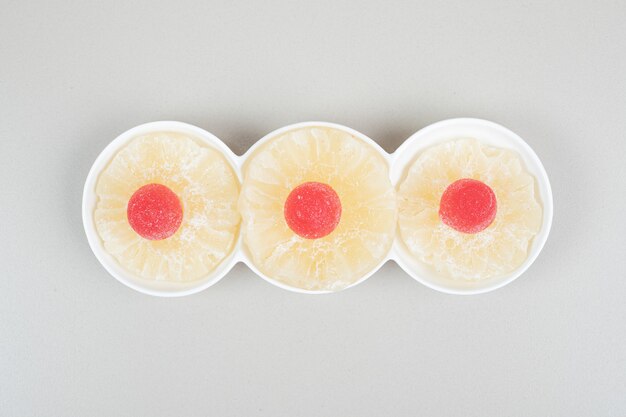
{"type": "Point", "coordinates": [464, 206]}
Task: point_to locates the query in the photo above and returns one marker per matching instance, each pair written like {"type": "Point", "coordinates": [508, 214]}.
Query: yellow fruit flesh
{"type": "Point", "coordinates": [359, 176]}
{"type": "Point", "coordinates": [207, 188]}
{"type": "Point", "coordinates": [498, 249]}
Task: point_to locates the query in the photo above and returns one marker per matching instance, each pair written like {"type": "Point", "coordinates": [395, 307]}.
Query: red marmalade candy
{"type": "Point", "coordinates": [312, 210]}
{"type": "Point", "coordinates": [468, 206]}
{"type": "Point", "coordinates": [154, 212]}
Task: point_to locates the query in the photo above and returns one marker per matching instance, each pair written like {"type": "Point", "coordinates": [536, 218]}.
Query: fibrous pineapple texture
{"type": "Point", "coordinates": [499, 248]}
{"type": "Point", "coordinates": [207, 188]}
{"type": "Point", "coordinates": [358, 175]}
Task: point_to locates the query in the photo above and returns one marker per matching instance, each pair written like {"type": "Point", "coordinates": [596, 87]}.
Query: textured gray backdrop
{"type": "Point", "coordinates": [75, 342]}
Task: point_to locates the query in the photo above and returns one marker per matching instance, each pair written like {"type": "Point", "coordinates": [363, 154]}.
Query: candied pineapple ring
{"type": "Point", "coordinates": [470, 246]}
{"type": "Point", "coordinates": [159, 171]}
{"type": "Point", "coordinates": [312, 252]}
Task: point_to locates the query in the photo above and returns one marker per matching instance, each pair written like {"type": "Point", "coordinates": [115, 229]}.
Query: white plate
{"type": "Point", "coordinates": [487, 132]}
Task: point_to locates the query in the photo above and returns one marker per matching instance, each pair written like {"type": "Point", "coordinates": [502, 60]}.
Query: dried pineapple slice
{"type": "Point", "coordinates": [207, 188]}
{"type": "Point", "coordinates": [359, 176]}
{"type": "Point", "coordinates": [496, 250]}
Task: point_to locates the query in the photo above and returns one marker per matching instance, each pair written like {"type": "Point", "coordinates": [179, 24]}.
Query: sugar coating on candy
{"type": "Point", "coordinates": [312, 210]}
{"type": "Point", "coordinates": [154, 212]}
{"type": "Point", "coordinates": [468, 205]}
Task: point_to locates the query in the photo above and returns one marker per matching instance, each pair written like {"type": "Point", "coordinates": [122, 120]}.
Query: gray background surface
{"type": "Point", "coordinates": [75, 342]}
